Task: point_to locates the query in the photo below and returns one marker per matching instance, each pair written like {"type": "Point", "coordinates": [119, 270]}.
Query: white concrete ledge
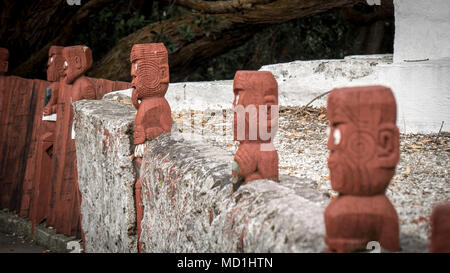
{"type": "Point", "coordinates": [421, 88]}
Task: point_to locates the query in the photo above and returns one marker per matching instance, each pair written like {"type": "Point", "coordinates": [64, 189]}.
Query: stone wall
{"type": "Point", "coordinates": [186, 192]}
{"type": "Point", "coordinates": [189, 205]}
{"type": "Point", "coordinates": [106, 175]}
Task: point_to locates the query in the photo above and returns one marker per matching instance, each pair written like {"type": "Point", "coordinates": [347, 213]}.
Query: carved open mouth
{"type": "Point", "coordinates": [335, 167]}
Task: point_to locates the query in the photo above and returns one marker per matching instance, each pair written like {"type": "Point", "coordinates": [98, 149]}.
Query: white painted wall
{"type": "Point", "coordinates": [421, 89]}
{"type": "Point", "coordinates": [422, 29]}
{"type": "Point", "coordinates": [422, 92]}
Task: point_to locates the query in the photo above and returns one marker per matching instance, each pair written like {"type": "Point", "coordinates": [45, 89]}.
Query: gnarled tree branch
{"type": "Point", "coordinates": [265, 12]}
{"type": "Point", "coordinates": [232, 31]}
{"type": "Point", "coordinates": [85, 12]}
{"type": "Point", "coordinates": [212, 7]}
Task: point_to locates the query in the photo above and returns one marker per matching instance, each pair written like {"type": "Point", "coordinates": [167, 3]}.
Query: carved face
{"type": "Point", "coordinates": [4, 57]}
{"type": "Point", "coordinates": [362, 138]}
{"type": "Point", "coordinates": [150, 69]}
{"type": "Point", "coordinates": [77, 60]}
{"type": "Point", "coordinates": [55, 64]}
{"type": "Point", "coordinates": [256, 99]}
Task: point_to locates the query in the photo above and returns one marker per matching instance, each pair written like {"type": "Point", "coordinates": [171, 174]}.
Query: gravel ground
{"type": "Point", "coordinates": [422, 178]}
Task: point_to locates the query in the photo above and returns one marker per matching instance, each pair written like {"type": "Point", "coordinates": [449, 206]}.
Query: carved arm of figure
{"type": "Point", "coordinates": [135, 99]}
{"type": "Point", "coordinates": [165, 121]}
{"type": "Point", "coordinates": [247, 164]}
{"type": "Point", "coordinates": [152, 119]}
{"type": "Point", "coordinates": [153, 132]}
{"type": "Point", "coordinates": [50, 108]}
{"type": "Point", "coordinates": [83, 88]}
{"type": "Point", "coordinates": [244, 166]}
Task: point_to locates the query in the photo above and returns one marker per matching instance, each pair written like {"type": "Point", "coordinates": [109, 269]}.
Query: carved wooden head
{"type": "Point", "coordinates": [4, 59]}
{"type": "Point", "coordinates": [55, 64]}
{"type": "Point", "coordinates": [256, 100]}
{"type": "Point", "coordinates": [150, 69]}
{"type": "Point", "coordinates": [363, 139]}
{"type": "Point", "coordinates": [77, 60]}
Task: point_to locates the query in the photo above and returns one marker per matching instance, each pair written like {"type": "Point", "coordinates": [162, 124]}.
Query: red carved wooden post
{"type": "Point", "coordinates": [4, 59]}
{"type": "Point", "coordinates": [139, 211]}
{"type": "Point", "coordinates": [364, 151]}
{"type": "Point", "coordinates": [440, 229]}
{"type": "Point", "coordinates": [42, 161]}
{"type": "Point", "coordinates": [150, 72]}
{"type": "Point", "coordinates": [255, 124]}
{"type": "Point", "coordinates": [17, 103]}
{"type": "Point", "coordinates": [36, 126]}
{"type": "Point", "coordinates": [74, 87]}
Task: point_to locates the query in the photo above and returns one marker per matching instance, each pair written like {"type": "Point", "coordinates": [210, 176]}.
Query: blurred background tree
{"type": "Point", "coordinates": [207, 40]}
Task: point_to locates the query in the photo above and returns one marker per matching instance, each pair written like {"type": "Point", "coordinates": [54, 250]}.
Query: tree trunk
{"type": "Point", "coordinates": [63, 38]}
{"type": "Point", "coordinates": [28, 29]}
{"type": "Point", "coordinates": [196, 37]}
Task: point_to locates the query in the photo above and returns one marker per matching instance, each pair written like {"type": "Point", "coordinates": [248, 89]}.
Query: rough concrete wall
{"type": "Point", "coordinates": [421, 29]}
{"type": "Point", "coordinates": [106, 175]}
{"type": "Point", "coordinates": [300, 82]}
{"type": "Point", "coordinates": [189, 205]}
{"type": "Point", "coordinates": [186, 191]}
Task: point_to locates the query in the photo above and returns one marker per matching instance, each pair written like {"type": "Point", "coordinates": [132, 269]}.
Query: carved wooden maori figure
{"type": "Point", "coordinates": [364, 151]}
{"type": "Point", "coordinates": [78, 60]}
{"type": "Point", "coordinates": [39, 169]}
{"type": "Point", "coordinates": [440, 229]}
{"type": "Point", "coordinates": [64, 201]}
{"type": "Point", "coordinates": [255, 124]}
{"type": "Point", "coordinates": [150, 72]}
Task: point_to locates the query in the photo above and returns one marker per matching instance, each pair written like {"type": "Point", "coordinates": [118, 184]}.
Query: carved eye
{"type": "Point", "coordinates": [66, 64]}
{"type": "Point", "coordinates": [135, 67]}
{"type": "Point", "coordinates": [336, 136]}
{"type": "Point", "coordinates": [51, 59]}
{"type": "Point", "coordinates": [237, 99]}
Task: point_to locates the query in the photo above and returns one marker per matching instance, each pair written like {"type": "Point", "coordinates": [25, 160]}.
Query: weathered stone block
{"type": "Point", "coordinates": [186, 192]}
{"type": "Point", "coordinates": [189, 205]}
{"type": "Point", "coordinates": [106, 175]}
